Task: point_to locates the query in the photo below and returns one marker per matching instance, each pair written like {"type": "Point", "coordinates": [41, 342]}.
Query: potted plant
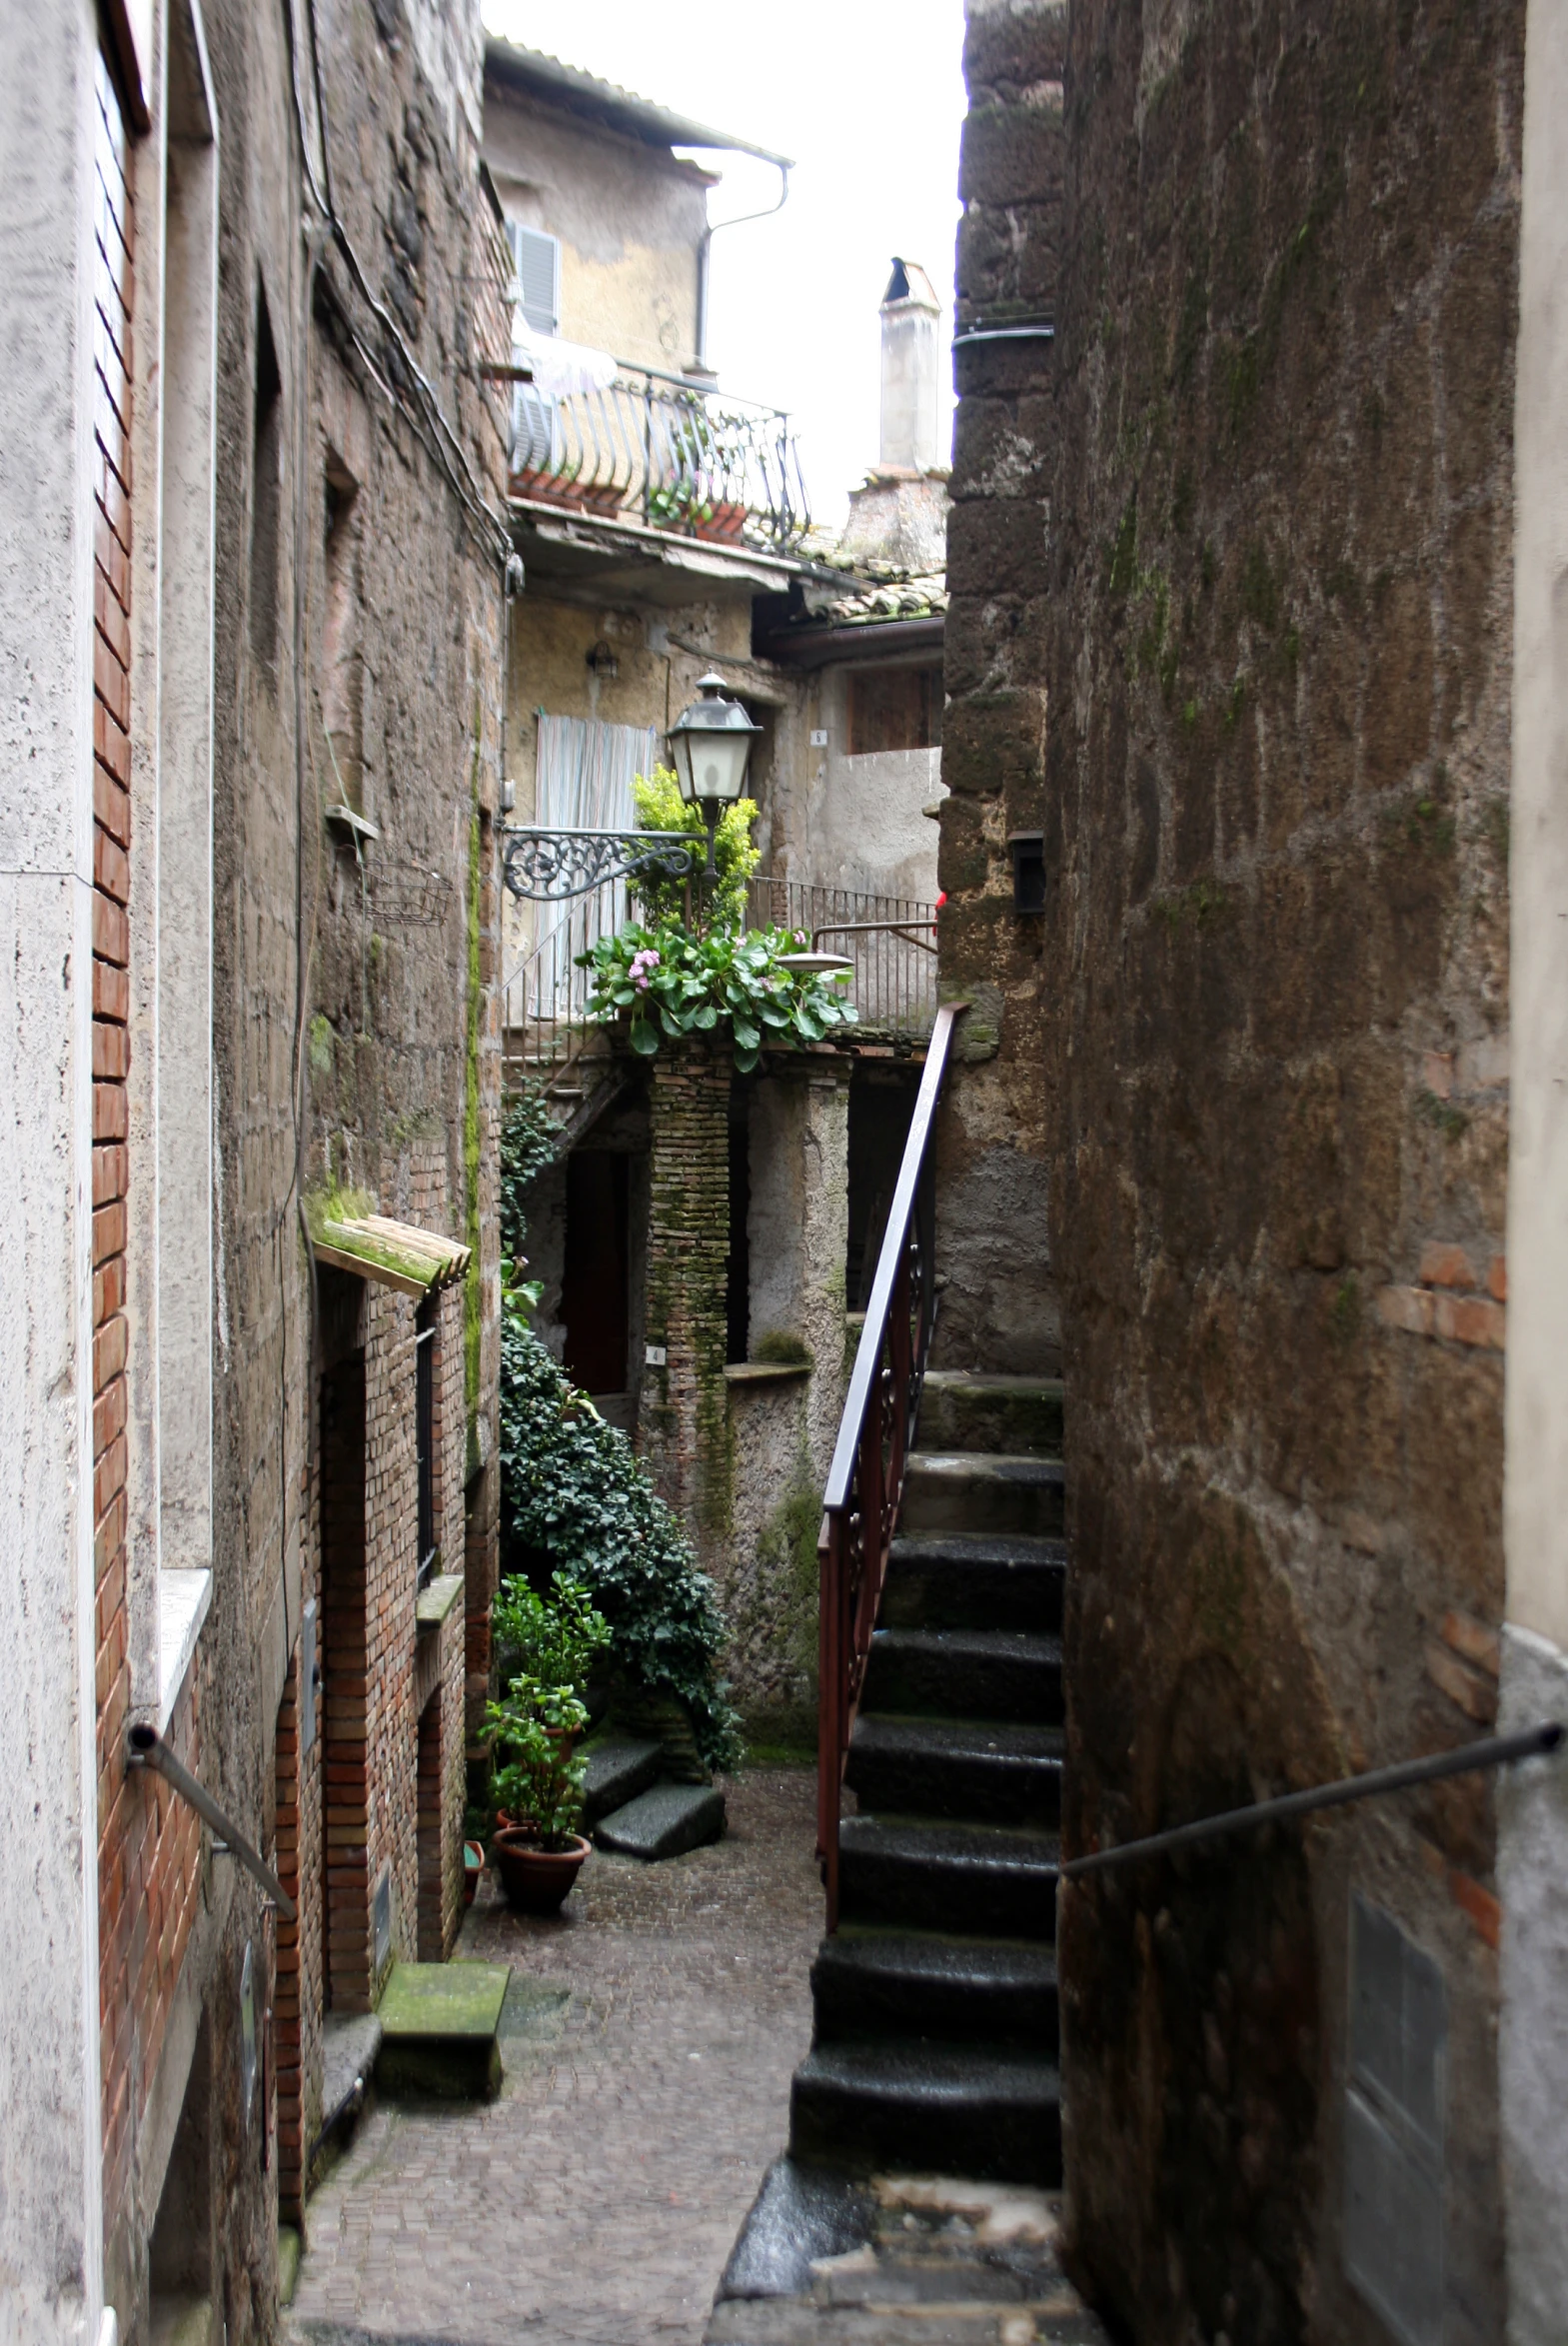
{"type": "Point", "coordinates": [541, 1784]}
{"type": "Point", "coordinates": [545, 1646]}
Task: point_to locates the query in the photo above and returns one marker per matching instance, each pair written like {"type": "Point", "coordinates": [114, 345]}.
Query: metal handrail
{"type": "Point", "coordinates": [147, 1749]}
{"type": "Point", "coordinates": [1490, 1751]}
{"type": "Point", "coordinates": [866, 1480]}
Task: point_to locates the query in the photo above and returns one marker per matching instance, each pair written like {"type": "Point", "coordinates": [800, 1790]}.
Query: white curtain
{"type": "Point", "coordinates": [583, 783]}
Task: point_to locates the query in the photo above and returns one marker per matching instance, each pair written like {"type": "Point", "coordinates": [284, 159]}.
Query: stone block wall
{"type": "Point", "coordinates": [1231, 572]}
{"type": "Point", "coordinates": [999, 1307]}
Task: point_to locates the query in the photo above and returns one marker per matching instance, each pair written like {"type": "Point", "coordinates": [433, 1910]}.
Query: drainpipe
{"type": "Point", "coordinates": [703, 258]}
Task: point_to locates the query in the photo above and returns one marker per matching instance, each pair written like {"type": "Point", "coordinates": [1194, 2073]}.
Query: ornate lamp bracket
{"type": "Point", "coordinates": [550, 864]}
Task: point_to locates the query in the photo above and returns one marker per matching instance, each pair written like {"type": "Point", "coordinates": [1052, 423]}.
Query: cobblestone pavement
{"type": "Point", "coordinates": [649, 2041]}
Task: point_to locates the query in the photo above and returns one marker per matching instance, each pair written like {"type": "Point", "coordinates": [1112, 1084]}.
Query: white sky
{"type": "Point", "coordinates": [867, 96]}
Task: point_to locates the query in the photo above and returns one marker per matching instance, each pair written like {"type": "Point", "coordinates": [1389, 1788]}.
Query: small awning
{"type": "Point", "coordinates": [395, 1253]}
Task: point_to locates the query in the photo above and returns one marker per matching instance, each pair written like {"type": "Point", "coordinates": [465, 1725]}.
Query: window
{"type": "Point", "coordinates": [266, 490]}
{"type": "Point", "coordinates": [894, 709]}
{"type": "Point", "coordinates": [343, 667]}
{"type": "Point", "coordinates": [536, 259]}
{"type": "Point", "coordinates": [425, 1435]}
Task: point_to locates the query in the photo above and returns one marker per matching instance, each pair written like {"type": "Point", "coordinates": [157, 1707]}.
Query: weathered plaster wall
{"type": "Point", "coordinates": [1533, 1805]}
{"type": "Point", "coordinates": [630, 218]}
{"type": "Point", "coordinates": [1232, 575]}
{"type": "Point", "coordinates": [844, 821]}
{"type": "Point", "coordinates": [50, 2202]}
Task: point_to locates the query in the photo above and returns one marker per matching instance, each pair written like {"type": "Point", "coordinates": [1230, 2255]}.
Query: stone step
{"type": "Point", "coordinates": [966, 1673]}
{"type": "Point", "coordinates": [999, 1880]}
{"type": "Point", "coordinates": [663, 1822]}
{"type": "Point", "coordinates": [988, 1770]}
{"type": "Point", "coordinates": [975, 1492]}
{"type": "Point", "coordinates": [439, 2025]}
{"type": "Point", "coordinates": [953, 2110]}
{"type": "Point", "coordinates": [869, 1982]}
{"type": "Point", "coordinates": [618, 1769]}
{"type": "Point", "coordinates": [955, 1581]}
{"type": "Point", "coordinates": [965, 1410]}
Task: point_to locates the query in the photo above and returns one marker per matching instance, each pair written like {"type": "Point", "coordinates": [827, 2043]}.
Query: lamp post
{"type": "Point", "coordinates": [710, 745]}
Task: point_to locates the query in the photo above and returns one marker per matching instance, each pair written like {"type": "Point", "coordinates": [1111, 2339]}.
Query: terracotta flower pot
{"type": "Point", "coordinates": [535, 1881]}
{"type": "Point", "coordinates": [473, 1867]}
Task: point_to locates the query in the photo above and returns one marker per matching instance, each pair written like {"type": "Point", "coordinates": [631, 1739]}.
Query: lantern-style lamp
{"type": "Point", "coordinates": [710, 745]}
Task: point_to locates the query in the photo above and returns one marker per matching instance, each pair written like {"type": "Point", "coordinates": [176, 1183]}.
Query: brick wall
{"type": "Point", "coordinates": [149, 1849]}
{"type": "Point", "coordinates": [682, 1416]}
{"type": "Point", "coordinates": [1231, 565]}
{"type": "Point", "coordinates": [390, 1591]}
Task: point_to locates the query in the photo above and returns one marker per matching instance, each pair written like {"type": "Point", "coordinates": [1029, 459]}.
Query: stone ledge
{"type": "Point", "coordinates": [765, 1372]}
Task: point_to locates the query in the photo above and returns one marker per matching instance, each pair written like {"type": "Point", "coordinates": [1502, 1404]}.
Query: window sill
{"type": "Point", "coordinates": [183, 1601]}
{"type": "Point", "coordinates": [765, 1372]}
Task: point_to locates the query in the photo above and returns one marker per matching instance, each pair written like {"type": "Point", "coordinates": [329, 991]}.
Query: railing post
{"type": "Point", "coordinates": [829, 1667]}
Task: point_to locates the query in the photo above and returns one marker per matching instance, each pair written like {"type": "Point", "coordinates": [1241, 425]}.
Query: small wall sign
{"type": "Point", "coordinates": [657, 1355]}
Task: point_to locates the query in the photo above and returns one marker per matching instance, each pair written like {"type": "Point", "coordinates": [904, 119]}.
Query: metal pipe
{"type": "Point", "coordinates": [147, 1749]}
{"type": "Point", "coordinates": [1491, 1752]}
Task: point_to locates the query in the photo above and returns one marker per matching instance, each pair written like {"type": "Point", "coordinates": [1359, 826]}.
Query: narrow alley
{"type": "Point", "coordinates": [648, 2038]}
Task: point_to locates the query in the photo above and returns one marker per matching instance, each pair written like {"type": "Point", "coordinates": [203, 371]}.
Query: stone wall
{"type": "Point", "coordinates": [1232, 571]}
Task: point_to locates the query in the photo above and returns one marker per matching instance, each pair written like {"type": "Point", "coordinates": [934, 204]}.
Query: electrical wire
{"type": "Point", "coordinates": [443, 444]}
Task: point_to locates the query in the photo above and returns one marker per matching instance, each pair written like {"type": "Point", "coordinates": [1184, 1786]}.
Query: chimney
{"type": "Point", "coordinates": [910, 315]}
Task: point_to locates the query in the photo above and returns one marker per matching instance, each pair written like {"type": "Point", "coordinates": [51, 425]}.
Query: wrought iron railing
{"type": "Point", "coordinates": [891, 939]}
{"type": "Point", "coordinates": [663, 450]}
{"type": "Point", "coordinates": [866, 1481]}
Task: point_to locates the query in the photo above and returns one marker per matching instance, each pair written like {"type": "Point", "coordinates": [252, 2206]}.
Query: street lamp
{"type": "Point", "coordinates": [711, 743]}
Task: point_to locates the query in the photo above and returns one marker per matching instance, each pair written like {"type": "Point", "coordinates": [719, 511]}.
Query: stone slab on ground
{"type": "Point", "coordinates": [439, 2025]}
{"type": "Point", "coordinates": [349, 2044]}
{"type": "Point", "coordinates": [940, 2259]}
{"type": "Point", "coordinates": [663, 1822]}
{"type": "Point", "coordinates": [618, 1769]}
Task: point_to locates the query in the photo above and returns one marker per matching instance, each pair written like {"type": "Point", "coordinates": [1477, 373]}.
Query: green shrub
{"type": "Point", "coordinates": [659, 807]}
{"type": "Point", "coordinates": [573, 1494]}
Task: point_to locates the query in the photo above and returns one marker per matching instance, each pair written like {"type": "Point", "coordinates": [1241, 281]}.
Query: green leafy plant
{"type": "Point", "coordinates": [674, 984]}
{"type": "Point", "coordinates": [659, 807]}
{"type": "Point", "coordinates": [574, 1499]}
{"type": "Point", "coordinates": [537, 1781]}
{"type": "Point", "coordinates": [527, 1143]}
{"type": "Point", "coordinates": [549, 1640]}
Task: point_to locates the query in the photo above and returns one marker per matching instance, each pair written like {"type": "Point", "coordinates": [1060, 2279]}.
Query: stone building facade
{"type": "Point", "coordinates": [248, 805]}
{"type": "Point", "coordinates": [1231, 636]}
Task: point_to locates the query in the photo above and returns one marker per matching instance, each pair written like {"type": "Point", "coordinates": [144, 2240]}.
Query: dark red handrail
{"type": "Point", "coordinates": [866, 1480]}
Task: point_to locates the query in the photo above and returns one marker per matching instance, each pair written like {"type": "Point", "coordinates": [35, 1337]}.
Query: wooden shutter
{"type": "Point", "coordinates": [536, 259]}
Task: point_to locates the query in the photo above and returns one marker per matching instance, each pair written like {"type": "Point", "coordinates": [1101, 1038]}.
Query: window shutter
{"type": "Point", "coordinates": [536, 259]}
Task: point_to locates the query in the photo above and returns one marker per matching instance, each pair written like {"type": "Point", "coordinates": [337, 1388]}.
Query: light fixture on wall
{"type": "Point", "coordinates": [603, 661]}
{"type": "Point", "coordinates": [710, 746]}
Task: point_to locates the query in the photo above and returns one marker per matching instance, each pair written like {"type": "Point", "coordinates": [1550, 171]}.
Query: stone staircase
{"type": "Point", "coordinates": [936, 2040]}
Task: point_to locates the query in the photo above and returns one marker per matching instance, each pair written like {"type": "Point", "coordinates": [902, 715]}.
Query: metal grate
{"type": "Point", "coordinates": [1394, 2118]}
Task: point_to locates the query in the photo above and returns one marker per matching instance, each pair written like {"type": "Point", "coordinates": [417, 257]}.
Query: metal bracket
{"type": "Point", "coordinates": [550, 864]}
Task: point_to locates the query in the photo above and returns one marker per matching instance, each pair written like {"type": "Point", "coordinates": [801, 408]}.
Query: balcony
{"type": "Point", "coordinates": [889, 940]}
{"type": "Point", "coordinates": [664, 452]}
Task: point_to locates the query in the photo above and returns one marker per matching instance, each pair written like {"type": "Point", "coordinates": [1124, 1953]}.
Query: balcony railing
{"type": "Point", "coordinates": [890, 940]}
{"type": "Point", "coordinates": [659, 450]}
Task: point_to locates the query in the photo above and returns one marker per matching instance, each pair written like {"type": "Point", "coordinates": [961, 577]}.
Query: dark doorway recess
{"type": "Point", "coordinates": [595, 1290]}
{"type": "Point", "coordinates": [882, 1107]}
{"type": "Point", "coordinates": [738, 1274]}
{"type": "Point", "coordinates": [346, 1909]}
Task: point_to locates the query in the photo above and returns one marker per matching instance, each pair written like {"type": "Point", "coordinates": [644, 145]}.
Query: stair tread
{"type": "Point", "coordinates": [1036, 1645]}
{"type": "Point", "coordinates": [892, 1734]}
{"type": "Point", "coordinates": [912, 1954]}
{"type": "Point", "coordinates": [923, 2071]}
{"type": "Point", "coordinates": [942, 1841]}
{"type": "Point", "coordinates": [989, 1466]}
{"type": "Point", "coordinates": [975, 1381]}
{"type": "Point", "coordinates": [978, 1547]}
